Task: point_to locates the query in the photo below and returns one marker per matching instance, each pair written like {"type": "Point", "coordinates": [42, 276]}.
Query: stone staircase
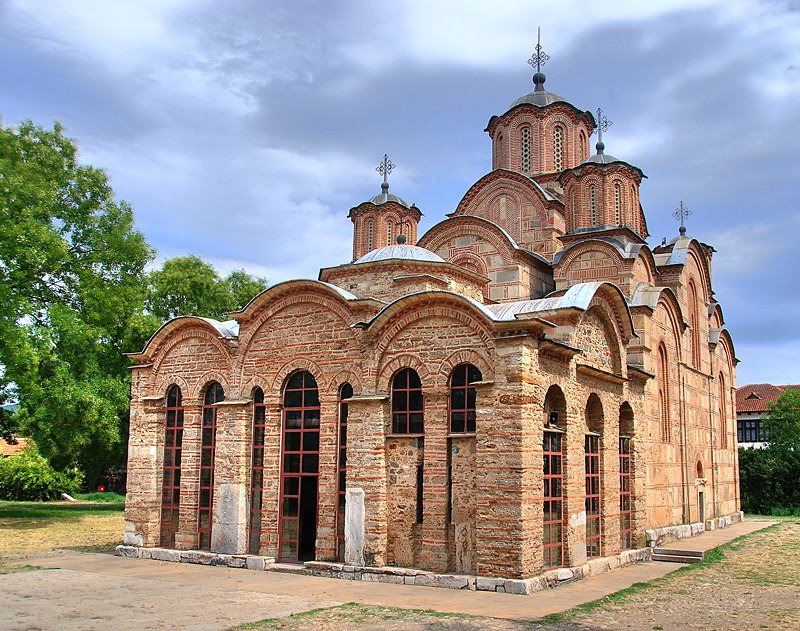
{"type": "Point", "coordinates": [673, 555]}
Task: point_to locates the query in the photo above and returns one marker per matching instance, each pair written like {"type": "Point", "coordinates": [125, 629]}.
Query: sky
{"type": "Point", "coordinates": [244, 131]}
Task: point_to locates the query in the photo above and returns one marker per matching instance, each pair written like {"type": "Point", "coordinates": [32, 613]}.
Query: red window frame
{"type": "Point", "coordinates": [592, 497]}
{"type": "Point", "coordinates": [553, 500]}
{"type": "Point", "coordinates": [300, 447]}
{"type": "Point", "coordinates": [408, 406]}
{"type": "Point", "coordinates": [462, 399]}
{"type": "Point", "coordinates": [257, 473]}
{"type": "Point", "coordinates": [625, 494]}
{"type": "Point", "coordinates": [205, 505]}
{"type": "Point", "coordinates": [345, 392]}
{"type": "Point", "coordinates": [171, 479]}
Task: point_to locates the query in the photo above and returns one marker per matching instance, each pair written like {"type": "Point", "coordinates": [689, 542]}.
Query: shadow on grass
{"type": "Point", "coordinates": [55, 510]}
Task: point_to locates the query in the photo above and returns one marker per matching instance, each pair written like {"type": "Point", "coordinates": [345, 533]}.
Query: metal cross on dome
{"type": "Point", "coordinates": [539, 57]}
{"type": "Point", "coordinates": [682, 213]}
{"type": "Point", "coordinates": [385, 168]}
{"type": "Point", "coordinates": [602, 124]}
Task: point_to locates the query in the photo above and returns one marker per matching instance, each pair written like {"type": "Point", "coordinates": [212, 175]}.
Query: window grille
{"type": "Point", "coordinates": [525, 149]}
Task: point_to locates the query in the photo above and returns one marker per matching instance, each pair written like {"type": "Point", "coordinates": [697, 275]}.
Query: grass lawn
{"type": "Point", "coordinates": [35, 528]}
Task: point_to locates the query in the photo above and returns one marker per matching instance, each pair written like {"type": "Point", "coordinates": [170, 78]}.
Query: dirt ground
{"type": "Point", "coordinates": [754, 583]}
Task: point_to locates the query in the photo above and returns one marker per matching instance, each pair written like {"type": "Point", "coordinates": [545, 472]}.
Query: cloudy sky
{"type": "Point", "coordinates": [243, 131]}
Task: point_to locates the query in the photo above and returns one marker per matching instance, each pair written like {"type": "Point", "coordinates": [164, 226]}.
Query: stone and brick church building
{"type": "Point", "coordinates": [525, 386]}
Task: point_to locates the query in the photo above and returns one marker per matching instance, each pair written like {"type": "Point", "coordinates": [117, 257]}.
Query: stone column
{"type": "Point", "coordinates": [186, 536]}
{"type": "Point", "coordinates": [366, 470]}
{"type": "Point", "coordinates": [434, 553]}
{"type": "Point", "coordinates": [327, 489]}
{"type": "Point", "coordinates": [574, 468]}
{"type": "Point", "coordinates": [609, 481]}
{"type": "Point", "coordinates": [270, 502]}
{"type": "Point", "coordinates": [231, 480]}
{"type": "Point", "coordinates": [145, 462]}
{"type": "Point", "coordinates": [506, 506]}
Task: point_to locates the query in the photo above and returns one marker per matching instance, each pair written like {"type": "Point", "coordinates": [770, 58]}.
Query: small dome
{"type": "Point", "coordinates": [601, 158]}
{"type": "Point", "coordinates": [540, 98]}
{"type": "Point", "coordinates": [406, 252]}
{"type": "Point", "coordinates": [388, 197]}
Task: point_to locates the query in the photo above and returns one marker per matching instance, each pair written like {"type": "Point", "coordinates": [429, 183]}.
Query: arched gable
{"type": "Point", "coordinates": [469, 225]}
{"type": "Point", "coordinates": [605, 261]}
{"type": "Point", "coordinates": [597, 335]}
{"type": "Point", "coordinates": [166, 334]}
{"type": "Point", "coordinates": [271, 294]}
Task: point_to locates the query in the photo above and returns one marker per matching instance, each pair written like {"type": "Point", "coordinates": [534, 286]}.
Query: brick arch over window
{"type": "Point", "coordinates": [462, 399]}
{"type": "Point", "coordinates": [397, 363]}
{"type": "Point", "coordinates": [463, 356]}
{"type": "Point", "coordinates": [165, 382]}
{"type": "Point", "coordinates": [664, 399]}
{"type": "Point", "coordinates": [407, 402]}
{"type": "Point", "coordinates": [555, 403]}
{"type": "Point", "coordinates": [299, 364]}
{"type": "Point", "coordinates": [208, 378]}
{"type": "Point", "coordinates": [594, 416]}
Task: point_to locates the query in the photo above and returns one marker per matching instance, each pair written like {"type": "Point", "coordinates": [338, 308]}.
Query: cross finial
{"type": "Point", "coordinates": [681, 213]}
{"type": "Point", "coordinates": [401, 239]}
{"type": "Point", "coordinates": [602, 125]}
{"type": "Point", "coordinates": [385, 168]}
{"type": "Point", "coordinates": [538, 58]}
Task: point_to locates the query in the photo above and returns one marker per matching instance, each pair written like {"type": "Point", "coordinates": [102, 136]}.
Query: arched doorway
{"type": "Point", "coordinates": [299, 469]}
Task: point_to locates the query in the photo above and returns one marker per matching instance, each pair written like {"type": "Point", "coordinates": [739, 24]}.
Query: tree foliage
{"type": "Point", "coordinates": [187, 285]}
{"type": "Point", "coordinates": [71, 272]}
{"type": "Point", "coordinates": [28, 477]}
{"type": "Point", "coordinates": [768, 478]}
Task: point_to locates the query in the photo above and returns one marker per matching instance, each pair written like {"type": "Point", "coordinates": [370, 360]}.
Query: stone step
{"type": "Point", "coordinates": [287, 568]}
{"type": "Point", "coordinates": [675, 558]}
{"type": "Point", "coordinates": [699, 554]}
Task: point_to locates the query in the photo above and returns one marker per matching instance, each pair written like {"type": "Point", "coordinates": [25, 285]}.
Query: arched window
{"type": "Point", "coordinates": [256, 472]}
{"type": "Point", "coordinates": [558, 147]}
{"type": "Point", "coordinates": [214, 394]}
{"type": "Point", "coordinates": [171, 482]}
{"type": "Point", "coordinates": [663, 393]}
{"type": "Point", "coordinates": [555, 410]}
{"type": "Point", "coordinates": [370, 235]}
{"type": "Point", "coordinates": [462, 398]}
{"type": "Point", "coordinates": [574, 210]}
{"type": "Point", "coordinates": [345, 393]}
{"type": "Point", "coordinates": [625, 477]}
{"type": "Point", "coordinates": [299, 469]}
{"type": "Point", "coordinates": [389, 230]}
{"type": "Point", "coordinates": [618, 203]}
{"type": "Point", "coordinates": [723, 412]}
{"type": "Point", "coordinates": [584, 146]}
{"type": "Point", "coordinates": [407, 404]}
{"type": "Point", "coordinates": [593, 204]}
{"type": "Point", "coordinates": [525, 148]}
{"type": "Point", "coordinates": [694, 324]}
{"type": "Point", "coordinates": [593, 497]}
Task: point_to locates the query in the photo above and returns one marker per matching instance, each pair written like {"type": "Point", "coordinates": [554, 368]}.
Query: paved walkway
{"type": "Point", "coordinates": [98, 591]}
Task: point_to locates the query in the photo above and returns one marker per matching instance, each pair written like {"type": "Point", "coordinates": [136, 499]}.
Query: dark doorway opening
{"type": "Point", "coordinates": [308, 519]}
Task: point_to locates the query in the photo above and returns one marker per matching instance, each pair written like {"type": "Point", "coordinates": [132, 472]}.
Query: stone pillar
{"type": "Point", "coordinates": [434, 550]}
{"type": "Point", "coordinates": [505, 451]}
{"type": "Point", "coordinates": [354, 527]}
{"type": "Point", "coordinates": [231, 477]}
{"type": "Point", "coordinates": [366, 469]}
{"type": "Point", "coordinates": [270, 502]}
{"type": "Point", "coordinates": [574, 468]}
{"type": "Point", "coordinates": [609, 481]}
{"type": "Point", "coordinates": [327, 489]}
{"type": "Point", "coordinates": [145, 462]}
{"type": "Point", "coordinates": [186, 536]}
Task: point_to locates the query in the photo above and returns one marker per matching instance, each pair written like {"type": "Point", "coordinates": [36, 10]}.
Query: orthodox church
{"type": "Point", "coordinates": [526, 386]}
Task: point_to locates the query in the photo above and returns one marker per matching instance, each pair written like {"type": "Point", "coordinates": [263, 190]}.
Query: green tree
{"type": "Point", "coordinates": [71, 275]}
{"type": "Point", "coordinates": [783, 422]}
{"type": "Point", "coordinates": [187, 285]}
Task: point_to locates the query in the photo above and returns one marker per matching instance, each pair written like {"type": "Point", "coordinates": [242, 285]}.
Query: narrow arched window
{"type": "Point", "coordinates": [256, 473]}
{"type": "Point", "coordinates": [370, 235]}
{"type": "Point", "coordinates": [558, 147]}
{"type": "Point", "coordinates": [593, 499]}
{"type": "Point", "coordinates": [723, 413]}
{"type": "Point", "coordinates": [171, 481]}
{"type": "Point", "coordinates": [389, 231]}
{"type": "Point", "coordinates": [694, 324]}
{"type": "Point", "coordinates": [214, 394]}
{"type": "Point", "coordinates": [345, 394]}
{"type": "Point", "coordinates": [462, 398]}
{"type": "Point", "coordinates": [663, 393]}
{"type": "Point", "coordinates": [553, 491]}
{"type": "Point", "coordinates": [574, 210]}
{"type": "Point", "coordinates": [625, 476]}
{"type": "Point", "coordinates": [407, 404]}
{"type": "Point", "coordinates": [593, 203]}
{"type": "Point", "coordinates": [584, 146]}
{"type": "Point", "coordinates": [618, 203]}
{"type": "Point", "coordinates": [525, 148]}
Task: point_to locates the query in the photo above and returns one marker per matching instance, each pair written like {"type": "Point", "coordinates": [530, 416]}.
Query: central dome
{"type": "Point", "coordinates": [540, 98]}
{"type": "Point", "coordinates": [401, 251]}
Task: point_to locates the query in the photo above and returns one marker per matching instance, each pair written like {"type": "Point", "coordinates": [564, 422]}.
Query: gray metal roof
{"type": "Point", "coordinates": [229, 328]}
{"type": "Point", "coordinates": [405, 252]}
{"type": "Point", "coordinates": [539, 98]}
{"type": "Point", "coordinates": [601, 158]}
{"type": "Point", "coordinates": [383, 198]}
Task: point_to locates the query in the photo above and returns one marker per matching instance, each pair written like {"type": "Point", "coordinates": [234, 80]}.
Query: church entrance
{"type": "Point", "coordinates": [299, 469]}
